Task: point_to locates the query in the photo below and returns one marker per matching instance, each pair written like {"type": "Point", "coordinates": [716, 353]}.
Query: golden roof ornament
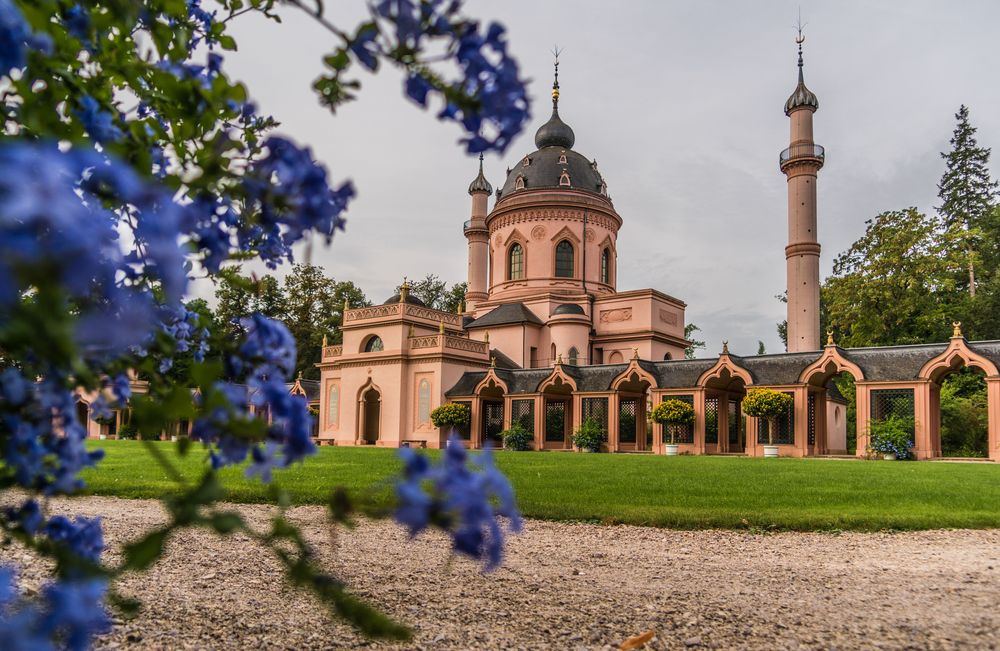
{"type": "Point", "coordinates": [493, 361]}
{"type": "Point", "coordinates": [404, 290]}
{"type": "Point", "coordinates": [725, 347]}
{"type": "Point", "coordinates": [412, 331]}
{"type": "Point", "coordinates": [324, 341]}
{"type": "Point", "coordinates": [559, 360]}
{"type": "Point", "coordinates": [459, 310]}
{"type": "Point", "coordinates": [347, 305]}
{"type": "Point", "coordinates": [829, 338]}
{"type": "Point", "coordinates": [635, 353]}
{"type": "Point", "coordinates": [486, 337]}
{"type": "Point", "coordinates": [441, 327]}
{"type": "Point", "coordinates": [956, 329]}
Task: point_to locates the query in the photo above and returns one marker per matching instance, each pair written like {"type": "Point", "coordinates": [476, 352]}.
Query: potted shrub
{"type": "Point", "coordinates": [128, 432]}
{"type": "Point", "coordinates": [589, 436]}
{"type": "Point", "coordinates": [890, 438]}
{"type": "Point", "coordinates": [769, 405]}
{"type": "Point", "coordinates": [451, 415]}
{"type": "Point", "coordinates": [673, 414]}
{"type": "Point", "coordinates": [517, 438]}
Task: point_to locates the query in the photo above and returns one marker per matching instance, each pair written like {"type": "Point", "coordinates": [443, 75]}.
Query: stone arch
{"type": "Point", "coordinates": [633, 377]}
{"type": "Point", "coordinates": [957, 355]}
{"type": "Point", "coordinates": [724, 374]}
{"type": "Point", "coordinates": [369, 413]}
{"type": "Point", "coordinates": [557, 381]}
{"type": "Point", "coordinates": [492, 384]}
{"type": "Point", "coordinates": [831, 362]}
{"type": "Point", "coordinates": [372, 344]}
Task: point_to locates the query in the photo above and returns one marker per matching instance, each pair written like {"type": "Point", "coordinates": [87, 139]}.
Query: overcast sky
{"type": "Point", "coordinates": [681, 105]}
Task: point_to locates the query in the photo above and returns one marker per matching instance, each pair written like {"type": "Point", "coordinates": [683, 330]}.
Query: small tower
{"type": "Point", "coordinates": [800, 163]}
{"type": "Point", "coordinates": [478, 237]}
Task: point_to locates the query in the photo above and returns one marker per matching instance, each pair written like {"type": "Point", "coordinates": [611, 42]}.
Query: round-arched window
{"type": "Point", "coordinates": [515, 262]}
{"type": "Point", "coordinates": [606, 266]}
{"type": "Point", "coordinates": [374, 344]}
{"type": "Point", "coordinates": [423, 402]}
{"type": "Point", "coordinates": [574, 355]}
{"type": "Point", "coordinates": [667, 356]}
{"type": "Point", "coordinates": [564, 259]}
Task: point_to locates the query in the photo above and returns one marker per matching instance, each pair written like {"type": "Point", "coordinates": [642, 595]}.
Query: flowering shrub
{"type": "Point", "coordinates": [769, 405]}
{"type": "Point", "coordinates": [450, 414]}
{"type": "Point", "coordinates": [130, 161]}
{"type": "Point", "coordinates": [891, 436]}
{"type": "Point", "coordinates": [589, 436]}
{"type": "Point", "coordinates": [517, 438]}
{"type": "Point", "coordinates": [673, 413]}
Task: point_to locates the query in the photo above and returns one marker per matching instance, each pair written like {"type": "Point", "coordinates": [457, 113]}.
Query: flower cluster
{"type": "Point", "coordinates": [488, 100]}
{"type": "Point", "coordinates": [465, 498]}
{"type": "Point", "coordinates": [263, 364]}
{"type": "Point", "coordinates": [892, 436]}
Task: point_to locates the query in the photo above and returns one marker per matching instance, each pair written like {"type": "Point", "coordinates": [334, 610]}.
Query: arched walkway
{"type": "Point", "coordinates": [370, 416]}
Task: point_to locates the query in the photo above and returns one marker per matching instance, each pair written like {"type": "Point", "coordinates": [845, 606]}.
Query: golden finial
{"type": "Point", "coordinates": [559, 359]}
{"type": "Point", "coordinates": [459, 310]}
{"type": "Point", "coordinates": [441, 327]}
{"type": "Point", "coordinates": [725, 347]}
{"type": "Point", "coordinates": [493, 362]}
{"type": "Point", "coordinates": [300, 376]}
{"type": "Point", "coordinates": [956, 328]}
{"type": "Point", "coordinates": [829, 338]}
{"type": "Point", "coordinates": [347, 305]}
{"type": "Point", "coordinates": [324, 341]}
{"type": "Point", "coordinates": [486, 337]}
{"type": "Point", "coordinates": [404, 290]}
{"type": "Point", "coordinates": [555, 82]}
{"type": "Point", "coordinates": [411, 333]}
{"type": "Point", "coordinates": [635, 353]}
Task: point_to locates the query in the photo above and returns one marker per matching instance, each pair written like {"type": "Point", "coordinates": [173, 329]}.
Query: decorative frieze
{"type": "Point", "coordinates": [616, 315]}
{"type": "Point", "coordinates": [668, 317]}
{"type": "Point", "coordinates": [372, 312]}
{"type": "Point", "coordinates": [332, 351]}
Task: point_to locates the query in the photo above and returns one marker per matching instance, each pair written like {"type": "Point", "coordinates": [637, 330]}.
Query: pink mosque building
{"type": "Point", "coordinates": [547, 340]}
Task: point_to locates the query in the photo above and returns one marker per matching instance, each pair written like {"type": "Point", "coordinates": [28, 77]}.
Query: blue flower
{"type": "Point", "coordinates": [98, 123]}
{"type": "Point", "coordinates": [16, 37]}
{"type": "Point", "coordinates": [465, 499]}
{"type": "Point", "coordinates": [77, 21]}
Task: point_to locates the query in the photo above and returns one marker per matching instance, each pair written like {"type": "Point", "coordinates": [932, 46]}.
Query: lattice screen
{"type": "Point", "coordinates": [684, 433]}
{"type": "Point", "coordinates": [493, 422]}
{"type": "Point", "coordinates": [555, 421]}
{"type": "Point", "coordinates": [711, 420]}
{"type": "Point", "coordinates": [735, 418]}
{"type": "Point", "coordinates": [786, 428]}
{"type": "Point", "coordinates": [627, 410]}
{"type": "Point", "coordinates": [596, 408]}
{"type": "Point", "coordinates": [894, 403]}
{"type": "Point", "coordinates": [523, 412]}
{"type": "Point", "coordinates": [812, 419]}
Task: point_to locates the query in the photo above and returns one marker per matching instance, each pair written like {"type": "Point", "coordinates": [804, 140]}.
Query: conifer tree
{"type": "Point", "coordinates": [967, 194]}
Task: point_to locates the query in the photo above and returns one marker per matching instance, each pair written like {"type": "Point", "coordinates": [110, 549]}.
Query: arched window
{"type": "Point", "coordinates": [553, 353]}
{"type": "Point", "coordinates": [423, 402]}
{"type": "Point", "coordinates": [564, 179]}
{"type": "Point", "coordinates": [564, 259]}
{"type": "Point", "coordinates": [374, 344]}
{"type": "Point", "coordinates": [667, 357]}
{"type": "Point", "coordinates": [333, 406]}
{"type": "Point", "coordinates": [573, 356]}
{"type": "Point", "coordinates": [519, 183]}
{"type": "Point", "coordinates": [515, 262]}
{"type": "Point", "coordinates": [562, 158]}
{"type": "Point", "coordinates": [606, 266]}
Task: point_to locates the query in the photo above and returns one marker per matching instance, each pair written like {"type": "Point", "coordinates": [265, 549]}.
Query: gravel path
{"type": "Point", "coordinates": [569, 586]}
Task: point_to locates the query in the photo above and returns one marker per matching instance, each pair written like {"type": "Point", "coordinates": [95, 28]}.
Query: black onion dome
{"type": "Point", "coordinates": [555, 133]}
{"type": "Point", "coordinates": [410, 298]}
{"type": "Point", "coordinates": [801, 96]}
{"type": "Point", "coordinates": [568, 308]}
{"type": "Point", "coordinates": [480, 184]}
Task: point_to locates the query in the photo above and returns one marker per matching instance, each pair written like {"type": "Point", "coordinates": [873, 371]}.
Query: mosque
{"type": "Point", "coordinates": [546, 338]}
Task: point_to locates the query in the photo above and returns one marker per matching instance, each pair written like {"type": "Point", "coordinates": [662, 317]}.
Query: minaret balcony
{"type": "Point", "coordinates": [473, 225]}
{"type": "Point", "coordinates": [802, 153]}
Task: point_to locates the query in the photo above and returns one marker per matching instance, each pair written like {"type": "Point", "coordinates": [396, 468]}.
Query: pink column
{"type": "Point", "coordinates": [993, 412]}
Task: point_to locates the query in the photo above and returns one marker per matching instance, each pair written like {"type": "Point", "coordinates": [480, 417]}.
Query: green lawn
{"type": "Point", "coordinates": [680, 492]}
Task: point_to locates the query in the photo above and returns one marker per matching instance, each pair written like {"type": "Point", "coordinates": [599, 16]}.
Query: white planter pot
{"type": "Point", "coordinates": [104, 437]}
{"type": "Point", "coordinates": [889, 456]}
{"type": "Point", "coordinates": [173, 438]}
{"type": "Point", "coordinates": [671, 449]}
{"type": "Point", "coordinates": [770, 451]}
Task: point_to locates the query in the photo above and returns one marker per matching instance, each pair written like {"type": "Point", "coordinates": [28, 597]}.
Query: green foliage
{"type": "Point", "coordinates": [517, 438]}
{"type": "Point", "coordinates": [435, 293]}
{"type": "Point", "coordinates": [769, 405]}
{"type": "Point", "coordinates": [128, 432]}
{"type": "Point", "coordinates": [845, 384]}
{"type": "Point", "coordinates": [589, 436]}
{"type": "Point", "coordinates": [891, 436]}
{"type": "Point", "coordinates": [696, 344]}
{"type": "Point", "coordinates": [693, 492]}
{"type": "Point", "coordinates": [964, 416]}
{"type": "Point", "coordinates": [450, 414]}
{"type": "Point", "coordinates": [673, 412]}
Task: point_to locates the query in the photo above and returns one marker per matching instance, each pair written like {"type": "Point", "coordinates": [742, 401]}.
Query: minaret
{"type": "Point", "coordinates": [478, 237]}
{"type": "Point", "coordinates": [800, 163]}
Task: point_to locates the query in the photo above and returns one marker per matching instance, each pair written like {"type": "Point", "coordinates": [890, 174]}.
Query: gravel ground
{"type": "Point", "coordinates": [568, 586]}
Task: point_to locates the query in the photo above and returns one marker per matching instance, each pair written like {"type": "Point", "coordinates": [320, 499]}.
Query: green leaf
{"type": "Point", "coordinates": [226, 522]}
{"type": "Point", "coordinates": [141, 554]}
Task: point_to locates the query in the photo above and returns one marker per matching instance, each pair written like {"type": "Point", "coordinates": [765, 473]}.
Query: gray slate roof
{"type": "Point", "coordinates": [506, 314]}
{"type": "Point", "coordinates": [885, 364]}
